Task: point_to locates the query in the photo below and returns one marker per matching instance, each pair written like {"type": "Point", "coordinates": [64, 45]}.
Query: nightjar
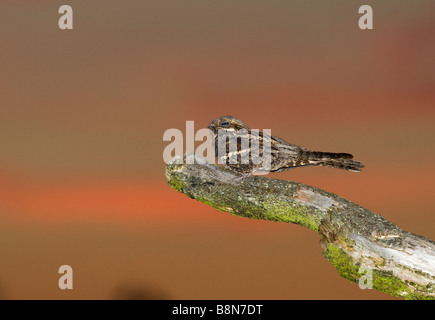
{"type": "Point", "coordinates": [282, 155]}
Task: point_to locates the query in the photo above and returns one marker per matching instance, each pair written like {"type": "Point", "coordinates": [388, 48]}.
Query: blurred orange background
{"type": "Point", "coordinates": [82, 117]}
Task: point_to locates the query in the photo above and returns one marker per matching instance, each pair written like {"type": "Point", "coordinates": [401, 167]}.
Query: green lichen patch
{"type": "Point", "coordinates": [291, 212]}
{"type": "Point", "coordinates": [175, 182]}
{"type": "Point", "coordinates": [342, 262]}
{"type": "Point", "coordinates": [382, 280]}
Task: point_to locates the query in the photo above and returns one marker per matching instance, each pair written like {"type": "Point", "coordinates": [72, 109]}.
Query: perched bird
{"type": "Point", "coordinates": [283, 155]}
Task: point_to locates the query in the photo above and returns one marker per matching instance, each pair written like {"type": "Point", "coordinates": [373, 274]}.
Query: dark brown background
{"type": "Point", "coordinates": [82, 116]}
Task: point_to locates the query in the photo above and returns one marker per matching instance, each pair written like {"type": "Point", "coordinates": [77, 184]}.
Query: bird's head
{"type": "Point", "coordinates": [227, 123]}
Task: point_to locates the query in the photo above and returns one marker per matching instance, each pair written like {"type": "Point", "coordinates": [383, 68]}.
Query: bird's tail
{"type": "Point", "coordinates": [335, 160]}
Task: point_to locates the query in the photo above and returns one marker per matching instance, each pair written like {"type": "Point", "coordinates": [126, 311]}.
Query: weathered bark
{"type": "Point", "coordinates": [353, 238]}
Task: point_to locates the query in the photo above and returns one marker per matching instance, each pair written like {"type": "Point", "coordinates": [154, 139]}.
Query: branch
{"type": "Point", "coordinates": [352, 238]}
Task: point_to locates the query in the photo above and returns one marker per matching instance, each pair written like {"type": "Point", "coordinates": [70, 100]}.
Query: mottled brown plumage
{"type": "Point", "coordinates": [283, 155]}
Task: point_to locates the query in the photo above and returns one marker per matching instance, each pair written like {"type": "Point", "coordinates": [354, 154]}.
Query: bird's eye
{"type": "Point", "coordinates": [225, 124]}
